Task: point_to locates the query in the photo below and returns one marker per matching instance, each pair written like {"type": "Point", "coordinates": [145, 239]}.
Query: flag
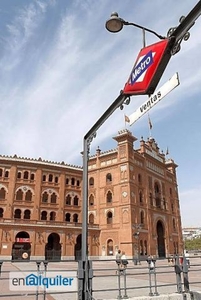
{"type": "Point", "coordinates": [127, 119]}
{"type": "Point", "coordinates": [167, 151]}
{"type": "Point", "coordinates": [150, 124]}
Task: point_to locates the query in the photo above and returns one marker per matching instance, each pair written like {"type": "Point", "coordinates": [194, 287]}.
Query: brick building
{"type": "Point", "coordinates": [133, 204]}
{"type": "Point", "coordinates": [133, 196]}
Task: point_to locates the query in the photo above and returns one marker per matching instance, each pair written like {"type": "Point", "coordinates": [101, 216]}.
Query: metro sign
{"type": "Point", "coordinates": [148, 68]}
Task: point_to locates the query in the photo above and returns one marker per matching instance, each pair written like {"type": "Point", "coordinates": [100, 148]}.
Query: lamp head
{"type": "Point", "coordinates": [114, 24]}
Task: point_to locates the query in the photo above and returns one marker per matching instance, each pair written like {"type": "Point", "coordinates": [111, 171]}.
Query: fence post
{"type": "Point", "coordinates": [155, 283]}
{"type": "Point", "coordinates": [38, 271]}
{"type": "Point", "coordinates": [119, 282]}
{"type": "Point", "coordinates": [1, 263]}
{"type": "Point", "coordinates": [178, 270]}
{"type": "Point", "coordinates": [45, 270]}
{"type": "Point", "coordinates": [150, 267]}
{"type": "Point", "coordinates": [125, 289]}
{"type": "Point", "coordinates": [185, 275]}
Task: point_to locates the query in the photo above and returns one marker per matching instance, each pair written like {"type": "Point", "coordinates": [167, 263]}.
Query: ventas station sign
{"type": "Point", "coordinates": [148, 68]}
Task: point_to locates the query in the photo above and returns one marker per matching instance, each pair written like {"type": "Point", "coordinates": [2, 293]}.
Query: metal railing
{"type": "Point", "coordinates": [108, 280]}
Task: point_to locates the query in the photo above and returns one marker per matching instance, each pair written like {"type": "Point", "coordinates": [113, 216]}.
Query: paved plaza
{"type": "Point", "coordinates": [105, 281]}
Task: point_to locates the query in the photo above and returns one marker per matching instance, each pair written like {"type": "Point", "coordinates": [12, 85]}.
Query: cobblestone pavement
{"type": "Point", "coordinates": [105, 281]}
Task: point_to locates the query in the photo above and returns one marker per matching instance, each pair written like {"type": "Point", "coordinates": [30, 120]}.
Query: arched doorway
{"type": "Point", "coordinates": [110, 250]}
{"type": "Point", "coordinates": [21, 249]}
{"type": "Point", "coordinates": [53, 248]}
{"type": "Point", "coordinates": [78, 248]}
{"type": "Point", "coordinates": [160, 239]}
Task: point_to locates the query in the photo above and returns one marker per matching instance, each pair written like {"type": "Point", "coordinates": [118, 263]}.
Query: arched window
{"type": "Point", "coordinates": [91, 219]}
{"type": "Point", "coordinates": [67, 217]}
{"type": "Point", "coordinates": [109, 217]}
{"type": "Point", "coordinates": [142, 217]}
{"type": "Point", "coordinates": [53, 198]}
{"type": "Point", "coordinates": [68, 200]}
{"type": "Point", "coordinates": [91, 200]}
{"type": "Point", "coordinates": [50, 179]}
{"type": "Point", "coordinates": [43, 215]}
{"type": "Point", "coordinates": [56, 179]}
{"type": "Point", "coordinates": [75, 202]}
{"type": "Point", "coordinates": [174, 224]}
{"type": "Point", "coordinates": [151, 199]}
{"type": "Point", "coordinates": [32, 176]}
{"type": "Point", "coordinates": [157, 194]}
{"type": "Point", "coordinates": [1, 172]}
{"type": "Point", "coordinates": [91, 181]}
{"type": "Point", "coordinates": [67, 181]}
{"type": "Point", "coordinates": [2, 193]}
{"type": "Point", "coordinates": [72, 181]}
{"type": "Point", "coordinates": [52, 216]}
{"type": "Point", "coordinates": [109, 177]}
{"type": "Point", "coordinates": [139, 178]}
{"type": "Point", "coordinates": [45, 197]}
{"type": "Point", "coordinates": [19, 195]}
{"type": "Point", "coordinates": [109, 197]}
{"type": "Point", "coordinates": [17, 214]}
{"type": "Point", "coordinates": [44, 177]}
{"type": "Point", "coordinates": [19, 175]}
{"type": "Point", "coordinates": [26, 175]}
{"type": "Point", "coordinates": [1, 212]}
{"type": "Point", "coordinates": [28, 196]}
{"type": "Point", "coordinates": [141, 197]}
{"type": "Point", "coordinates": [75, 218]}
{"type": "Point", "coordinates": [6, 174]}
{"type": "Point", "coordinates": [27, 214]}
{"type": "Point", "coordinates": [78, 183]}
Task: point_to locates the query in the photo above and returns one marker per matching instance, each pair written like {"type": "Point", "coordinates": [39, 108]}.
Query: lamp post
{"type": "Point", "coordinates": [115, 24]}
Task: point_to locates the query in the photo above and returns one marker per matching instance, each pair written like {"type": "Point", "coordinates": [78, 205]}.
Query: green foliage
{"type": "Point", "coordinates": [194, 244]}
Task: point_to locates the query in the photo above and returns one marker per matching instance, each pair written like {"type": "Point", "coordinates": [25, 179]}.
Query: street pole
{"type": "Point", "coordinates": [88, 138]}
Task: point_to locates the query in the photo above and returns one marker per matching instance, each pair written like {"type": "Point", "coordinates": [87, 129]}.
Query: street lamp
{"type": "Point", "coordinates": [115, 24]}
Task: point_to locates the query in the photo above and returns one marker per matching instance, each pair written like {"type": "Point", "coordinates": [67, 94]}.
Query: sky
{"type": "Point", "coordinates": [60, 69]}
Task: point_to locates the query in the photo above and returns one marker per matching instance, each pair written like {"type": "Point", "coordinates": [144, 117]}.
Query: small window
{"type": "Point", "coordinates": [91, 181]}
{"type": "Point", "coordinates": [108, 178]}
{"type": "Point", "coordinates": [72, 181]}
{"type": "Point", "coordinates": [26, 175]}
{"type": "Point", "coordinates": [109, 217]}
{"type": "Point", "coordinates": [142, 217]}
{"type": "Point", "coordinates": [1, 212]}
{"type": "Point", "coordinates": [67, 181]}
{"type": "Point", "coordinates": [141, 197]}
{"type": "Point", "coordinates": [6, 174]}
{"type": "Point", "coordinates": [28, 196]}
{"type": "Point", "coordinates": [1, 172]}
{"type": "Point", "coordinates": [19, 195]}
{"type": "Point", "coordinates": [27, 214]}
{"type": "Point", "coordinates": [17, 214]}
{"type": "Point", "coordinates": [53, 198]}
{"type": "Point", "coordinates": [45, 197]}
{"type": "Point", "coordinates": [78, 183]}
{"type": "Point", "coordinates": [19, 175]}
{"type": "Point", "coordinates": [2, 193]}
{"type": "Point", "coordinates": [50, 178]}
{"type": "Point", "coordinates": [91, 219]}
{"type": "Point", "coordinates": [68, 200]}
{"type": "Point", "coordinates": [91, 200]}
{"type": "Point", "coordinates": [75, 218]}
{"type": "Point", "coordinates": [44, 177]}
{"type": "Point", "coordinates": [32, 176]}
{"type": "Point", "coordinates": [56, 179]}
{"type": "Point", "coordinates": [67, 217]}
{"type": "Point", "coordinates": [43, 215]}
{"type": "Point", "coordinates": [52, 216]}
{"type": "Point", "coordinates": [109, 197]}
{"type": "Point", "coordinates": [75, 202]}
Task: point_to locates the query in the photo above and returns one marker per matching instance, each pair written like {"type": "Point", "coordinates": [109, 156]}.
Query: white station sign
{"type": "Point", "coordinates": [155, 98]}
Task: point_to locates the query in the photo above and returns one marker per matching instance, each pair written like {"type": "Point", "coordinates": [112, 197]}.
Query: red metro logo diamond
{"type": "Point", "coordinates": [148, 69]}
